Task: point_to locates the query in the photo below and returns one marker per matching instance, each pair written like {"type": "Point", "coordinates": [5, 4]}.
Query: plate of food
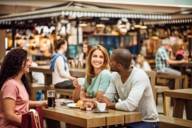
{"type": "Point", "coordinates": [67, 101]}
{"type": "Point", "coordinates": [72, 105]}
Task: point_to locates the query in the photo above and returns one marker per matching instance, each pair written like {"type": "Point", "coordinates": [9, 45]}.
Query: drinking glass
{"type": "Point", "coordinates": [51, 98]}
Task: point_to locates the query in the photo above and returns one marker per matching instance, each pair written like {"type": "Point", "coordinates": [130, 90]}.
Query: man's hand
{"type": "Point", "coordinates": [107, 101]}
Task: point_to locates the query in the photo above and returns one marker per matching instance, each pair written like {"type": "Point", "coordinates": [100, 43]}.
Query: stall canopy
{"type": "Point", "coordinates": [82, 9]}
{"type": "Point", "coordinates": [77, 9]}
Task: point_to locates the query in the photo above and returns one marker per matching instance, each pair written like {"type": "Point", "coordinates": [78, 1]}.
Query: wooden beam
{"type": "Point", "coordinates": [2, 44]}
{"type": "Point", "coordinates": [8, 9]}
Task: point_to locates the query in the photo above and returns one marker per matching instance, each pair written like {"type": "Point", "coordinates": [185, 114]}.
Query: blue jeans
{"type": "Point", "coordinates": [143, 125]}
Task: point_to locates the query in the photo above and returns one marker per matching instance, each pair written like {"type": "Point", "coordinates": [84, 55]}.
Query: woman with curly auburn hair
{"type": "Point", "coordinates": [97, 74]}
{"type": "Point", "coordinates": [15, 89]}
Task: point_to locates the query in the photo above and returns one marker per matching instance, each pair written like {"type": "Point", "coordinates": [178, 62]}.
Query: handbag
{"type": "Point", "coordinates": [31, 119]}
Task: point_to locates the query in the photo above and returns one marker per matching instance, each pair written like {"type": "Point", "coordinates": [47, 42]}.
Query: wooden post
{"type": "Point", "coordinates": [190, 45]}
{"type": "Point", "coordinates": [2, 44]}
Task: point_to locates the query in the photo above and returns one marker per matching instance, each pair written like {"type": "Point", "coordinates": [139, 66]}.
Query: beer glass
{"type": "Point", "coordinates": [51, 98]}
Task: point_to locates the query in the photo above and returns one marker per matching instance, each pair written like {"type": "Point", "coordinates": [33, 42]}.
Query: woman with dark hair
{"type": "Point", "coordinates": [14, 94]}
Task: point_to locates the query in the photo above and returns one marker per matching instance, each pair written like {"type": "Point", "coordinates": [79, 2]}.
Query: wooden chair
{"type": "Point", "coordinates": [65, 92]}
{"type": "Point", "coordinates": [152, 77]}
{"type": "Point", "coordinates": [162, 81]}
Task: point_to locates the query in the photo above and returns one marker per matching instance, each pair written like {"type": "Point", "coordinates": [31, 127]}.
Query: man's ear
{"type": "Point", "coordinates": [119, 66]}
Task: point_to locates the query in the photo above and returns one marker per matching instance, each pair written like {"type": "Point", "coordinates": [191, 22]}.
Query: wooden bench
{"type": "Point", "coordinates": [34, 88]}
{"type": "Point", "coordinates": [171, 122]}
{"type": "Point", "coordinates": [64, 92]}
{"type": "Point", "coordinates": [162, 86]}
{"type": "Point", "coordinates": [163, 78]}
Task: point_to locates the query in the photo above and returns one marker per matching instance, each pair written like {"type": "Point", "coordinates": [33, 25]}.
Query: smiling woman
{"type": "Point", "coordinates": [97, 74]}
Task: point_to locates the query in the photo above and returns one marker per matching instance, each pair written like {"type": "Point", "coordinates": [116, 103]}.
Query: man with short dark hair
{"type": "Point", "coordinates": [130, 90]}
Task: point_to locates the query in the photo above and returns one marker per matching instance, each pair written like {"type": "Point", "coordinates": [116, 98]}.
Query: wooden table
{"type": "Point", "coordinates": [183, 98]}
{"type": "Point", "coordinates": [183, 68]}
{"type": "Point", "coordinates": [48, 77]}
{"type": "Point", "coordinates": [45, 70]}
{"type": "Point", "coordinates": [88, 119]}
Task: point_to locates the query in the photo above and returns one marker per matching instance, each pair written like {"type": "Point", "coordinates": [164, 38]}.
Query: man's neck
{"type": "Point", "coordinates": [125, 74]}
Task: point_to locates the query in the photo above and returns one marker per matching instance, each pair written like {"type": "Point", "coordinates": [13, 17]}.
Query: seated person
{"type": "Point", "coordinates": [59, 66]}
{"type": "Point", "coordinates": [97, 75]}
{"type": "Point", "coordinates": [142, 63]}
{"type": "Point", "coordinates": [15, 89]}
{"type": "Point", "coordinates": [163, 59]}
{"type": "Point", "coordinates": [128, 92]}
{"type": "Point", "coordinates": [182, 53]}
{"type": "Point", "coordinates": [83, 55]}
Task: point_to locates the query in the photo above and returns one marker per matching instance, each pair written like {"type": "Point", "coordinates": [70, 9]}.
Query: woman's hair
{"type": "Point", "coordinates": [59, 42]}
{"type": "Point", "coordinates": [140, 59]}
{"type": "Point", "coordinates": [89, 68]}
{"type": "Point", "coordinates": [86, 44]}
{"type": "Point", "coordinates": [12, 65]}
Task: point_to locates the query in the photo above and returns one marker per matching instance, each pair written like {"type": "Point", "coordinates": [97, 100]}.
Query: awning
{"type": "Point", "coordinates": [76, 9]}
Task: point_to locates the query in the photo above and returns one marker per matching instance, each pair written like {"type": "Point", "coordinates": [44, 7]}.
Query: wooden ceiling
{"type": "Point", "coordinates": [17, 6]}
{"type": "Point", "coordinates": [9, 9]}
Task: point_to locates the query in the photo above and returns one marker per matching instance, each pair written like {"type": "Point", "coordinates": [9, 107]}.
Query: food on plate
{"type": "Point", "coordinates": [79, 103]}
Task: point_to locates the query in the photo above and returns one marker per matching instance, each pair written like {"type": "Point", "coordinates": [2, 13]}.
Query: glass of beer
{"type": "Point", "coordinates": [51, 98]}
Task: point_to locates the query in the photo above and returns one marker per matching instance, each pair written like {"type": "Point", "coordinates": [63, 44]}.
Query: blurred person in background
{"type": "Point", "coordinates": [163, 59]}
{"type": "Point", "coordinates": [59, 66]}
{"type": "Point", "coordinates": [83, 55]}
{"type": "Point", "coordinates": [142, 63]}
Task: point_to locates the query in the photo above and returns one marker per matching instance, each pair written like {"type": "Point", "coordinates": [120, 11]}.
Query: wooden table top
{"type": "Point", "coordinates": [189, 65]}
{"type": "Point", "coordinates": [180, 93]}
{"type": "Point", "coordinates": [46, 70]}
{"type": "Point", "coordinates": [43, 68]}
{"type": "Point", "coordinates": [89, 118]}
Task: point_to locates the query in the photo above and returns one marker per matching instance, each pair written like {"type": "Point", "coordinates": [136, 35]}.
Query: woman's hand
{"type": "Point", "coordinates": [76, 84]}
{"type": "Point", "coordinates": [73, 78]}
